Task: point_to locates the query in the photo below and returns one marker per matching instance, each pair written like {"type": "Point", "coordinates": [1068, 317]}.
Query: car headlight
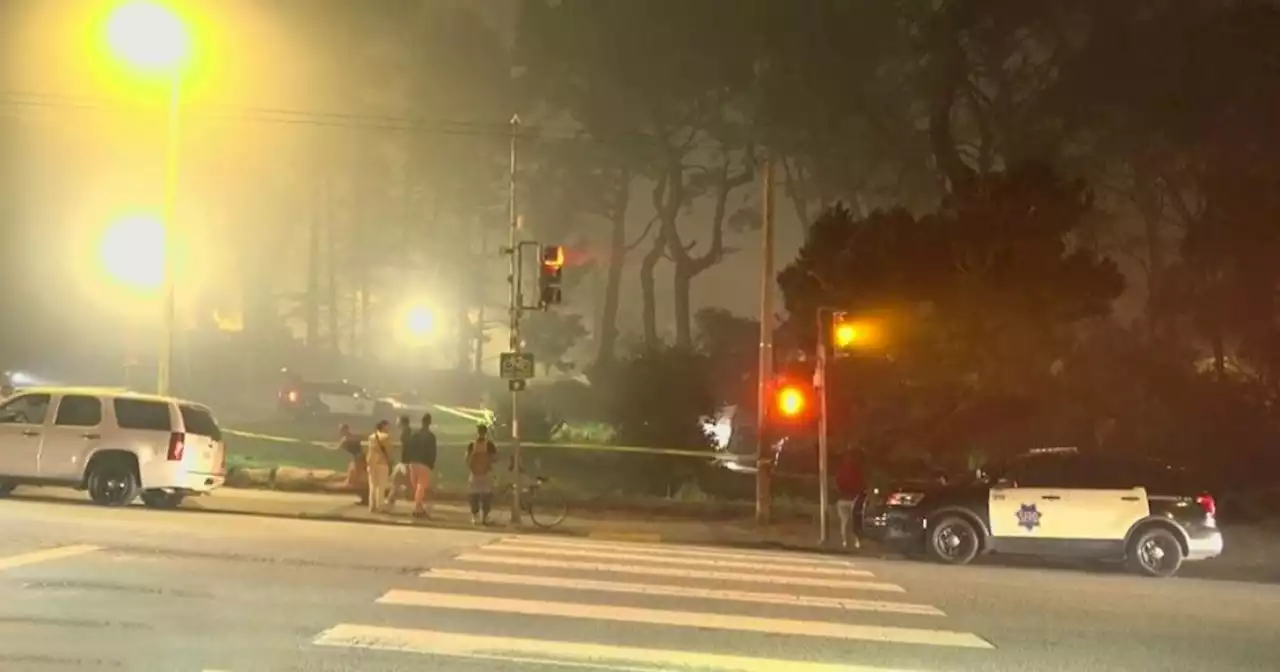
{"type": "Point", "coordinates": [904, 499]}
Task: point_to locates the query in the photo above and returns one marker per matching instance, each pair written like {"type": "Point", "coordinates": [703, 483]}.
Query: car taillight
{"type": "Point", "coordinates": [177, 446]}
{"type": "Point", "coordinates": [1208, 503]}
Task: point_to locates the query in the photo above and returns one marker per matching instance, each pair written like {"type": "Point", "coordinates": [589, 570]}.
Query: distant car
{"type": "Point", "coordinates": [1057, 502]}
{"type": "Point", "coordinates": [313, 399]}
{"type": "Point", "coordinates": [114, 444]}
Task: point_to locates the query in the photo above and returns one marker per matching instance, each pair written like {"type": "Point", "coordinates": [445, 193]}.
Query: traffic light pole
{"type": "Point", "coordinates": [517, 306]}
{"type": "Point", "coordinates": [764, 464]}
{"type": "Point", "coordinates": [824, 448]}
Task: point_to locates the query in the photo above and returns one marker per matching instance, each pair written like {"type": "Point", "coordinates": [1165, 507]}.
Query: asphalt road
{"type": "Point", "coordinates": [86, 588]}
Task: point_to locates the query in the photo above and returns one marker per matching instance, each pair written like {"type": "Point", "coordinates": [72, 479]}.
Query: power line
{"type": "Point", "coordinates": [283, 116]}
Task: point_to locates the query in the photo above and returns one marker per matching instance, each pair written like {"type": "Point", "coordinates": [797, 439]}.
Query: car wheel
{"type": "Point", "coordinates": [159, 499]}
{"type": "Point", "coordinates": [113, 482]}
{"type": "Point", "coordinates": [952, 540]}
{"type": "Point", "coordinates": [1155, 552]}
{"type": "Point", "coordinates": [6, 488]}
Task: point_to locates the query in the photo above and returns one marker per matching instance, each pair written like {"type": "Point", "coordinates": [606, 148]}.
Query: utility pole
{"type": "Point", "coordinates": [517, 303]}
{"type": "Point", "coordinates": [824, 449]}
{"type": "Point", "coordinates": [764, 465]}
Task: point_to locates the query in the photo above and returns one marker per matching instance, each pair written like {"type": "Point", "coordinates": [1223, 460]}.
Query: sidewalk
{"type": "Point", "coordinates": [454, 515]}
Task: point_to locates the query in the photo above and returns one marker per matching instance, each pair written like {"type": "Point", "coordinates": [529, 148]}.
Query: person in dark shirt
{"type": "Point", "coordinates": [420, 455]}
{"type": "Point", "coordinates": [357, 468]}
{"type": "Point", "coordinates": [849, 491]}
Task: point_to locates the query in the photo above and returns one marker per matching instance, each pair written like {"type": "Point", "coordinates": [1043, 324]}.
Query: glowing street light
{"type": "Point", "coordinates": [148, 36]}
{"type": "Point", "coordinates": [132, 252]}
{"type": "Point", "coordinates": [416, 325]}
{"type": "Point", "coordinates": [151, 38]}
{"type": "Point", "coordinates": [419, 322]}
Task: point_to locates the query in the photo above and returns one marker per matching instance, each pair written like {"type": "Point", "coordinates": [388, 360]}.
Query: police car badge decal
{"type": "Point", "coordinates": [1028, 517]}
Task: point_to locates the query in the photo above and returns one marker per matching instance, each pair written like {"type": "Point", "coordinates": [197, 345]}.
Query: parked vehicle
{"type": "Point", "coordinates": [1055, 502]}
{"type": "Point", "coordinates": [300, 399]}
{"type": "Point", "coordinates": [114, 444]}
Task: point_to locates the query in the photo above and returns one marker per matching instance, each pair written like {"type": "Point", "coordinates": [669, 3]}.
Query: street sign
{"type": "Point", "coordinates": [516, 385]}
{"type": "Point", "coordinates": [516, 365]}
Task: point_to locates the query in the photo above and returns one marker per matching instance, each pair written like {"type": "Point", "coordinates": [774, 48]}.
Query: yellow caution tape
{"type": "Point", "coordinates": [331, 445]}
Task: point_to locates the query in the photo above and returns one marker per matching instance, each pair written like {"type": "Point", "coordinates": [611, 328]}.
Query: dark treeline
{"type": "Point", "coordinates": [1071, 208]}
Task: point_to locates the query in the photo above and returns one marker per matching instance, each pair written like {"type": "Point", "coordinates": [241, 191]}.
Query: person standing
{"type": "Point", "coordinates": [378, 458]}
{"type": "Point", "coordinates": [401, 477]}
{"type": "Point", "coordinates": [420, 454]}
{"type": "Point", "coordinates": [481, 454]}
{"type": "Point", "coordinates": [357, 467]}
{"type": "Point", "coordinates": [849, 493]}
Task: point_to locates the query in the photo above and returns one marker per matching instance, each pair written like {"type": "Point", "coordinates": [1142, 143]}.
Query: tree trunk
{"type": "Point", "coordinates": [682, 287]}
{"type": "Point", "coordinates": [613, 289]}
{"type": "Point", "coordinates": [688, 267]}
{"type": "Point", "coordinates": [331, 268]}
{"type": "Point", "coordinates": [311, 301]}
{"type": "Point", "coordinates": [648, 294]}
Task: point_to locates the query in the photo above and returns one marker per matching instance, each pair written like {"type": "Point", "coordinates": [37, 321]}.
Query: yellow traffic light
{"type": "Point", "coordinates": [846, 334]}
{"type": "Point", "coordinates": [849, 334]}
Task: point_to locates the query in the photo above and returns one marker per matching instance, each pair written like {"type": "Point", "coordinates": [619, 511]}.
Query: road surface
{"type": "Point", "coordinates": [86, 588]}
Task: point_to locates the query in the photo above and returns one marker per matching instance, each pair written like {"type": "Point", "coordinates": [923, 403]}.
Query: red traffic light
{"type": "Point", "coordinates": [791, 401]}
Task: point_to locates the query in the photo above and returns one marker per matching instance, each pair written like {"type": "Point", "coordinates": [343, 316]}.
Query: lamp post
{"type": "Point", "coordinates": [152, 39]}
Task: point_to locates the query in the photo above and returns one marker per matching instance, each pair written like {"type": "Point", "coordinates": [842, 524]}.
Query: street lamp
{"type": "Point", "coordinates": [151, 38]}
{"type": "Point", "coordinates": [132, 252]}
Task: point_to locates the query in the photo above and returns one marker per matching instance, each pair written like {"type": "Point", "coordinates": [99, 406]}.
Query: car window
{"type": "Point", "coordinates": [1155, 476]}
{"type": "Point", "coordinates": [28, 409]}
{"type": "Point", "coordinates": [198, 420]}
{"type": "Point", "coordinates": [77, 410]}
{"type": "Point", "coordinates": [1041, 471]}
{"type": "Point", "coordinates": [143, 414]}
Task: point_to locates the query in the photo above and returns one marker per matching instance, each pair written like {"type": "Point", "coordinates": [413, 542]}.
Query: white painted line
{"type": "Point", "coordinates": [686, 619]}
{"type": "Point", "coordinates": [683, 591]}
{"type": "Point", "coordinates": [676, 550]}
{"type": "Point", "coordinates": [529, 652]}
{"type": "Point", "coordinates": [46, 555]}
{"type": "Point", "coordinates": [658, 558]}
{"type": "Point", "coordinates": [762, 576]}
{"type": "Point", "coordinates": [635, 537]}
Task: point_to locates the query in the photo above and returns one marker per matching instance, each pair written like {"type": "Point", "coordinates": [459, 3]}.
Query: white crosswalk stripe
{"type": "Point", "coordinates": [575, 580]}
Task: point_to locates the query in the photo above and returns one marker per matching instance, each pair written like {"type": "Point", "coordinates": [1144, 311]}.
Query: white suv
{"type": "Point", "coordinates": [112, 443]}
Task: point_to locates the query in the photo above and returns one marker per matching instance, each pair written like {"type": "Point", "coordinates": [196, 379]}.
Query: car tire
{"type": "Point", "coordinates": [113, 482]}
{"type": "Point", "coordinates": [952, 540]}
{"type": "Point", "coordinates": [7, 488]}
{"type": "Point", "coordinates": [159, 499]}
{"type": "Point", "coordinates": [1155, 552]}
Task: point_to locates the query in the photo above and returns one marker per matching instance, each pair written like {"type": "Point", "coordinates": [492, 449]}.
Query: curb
{"type": "Point", "coordinates": [389, 522]}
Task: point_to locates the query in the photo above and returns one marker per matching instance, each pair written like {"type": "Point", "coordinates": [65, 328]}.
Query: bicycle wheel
{"type": "Point", "coordinates": [547, 510]}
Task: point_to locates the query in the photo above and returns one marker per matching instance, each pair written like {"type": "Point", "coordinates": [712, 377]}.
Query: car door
{"type": "Point", "coordinates": [75, 433]}
{"type": "Point", "coordinates": [338, 399]}
{"type": "Point", "coordinates": [1028, 506]}
{"type": "Point", "coordinates": [1108, 497]}
{"type": "Point", "coordinates": [22, 427]}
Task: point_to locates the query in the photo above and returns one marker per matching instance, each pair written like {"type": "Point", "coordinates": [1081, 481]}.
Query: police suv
{"type": "Point", "coordinates": [1054, 502]}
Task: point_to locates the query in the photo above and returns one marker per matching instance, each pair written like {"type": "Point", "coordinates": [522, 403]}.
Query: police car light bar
{"type": "Point", "coordinates": [1056, 449]}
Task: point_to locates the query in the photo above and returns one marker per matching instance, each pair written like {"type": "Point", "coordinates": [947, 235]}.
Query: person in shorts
{"type": "Point", "coordinates": [481, 454]}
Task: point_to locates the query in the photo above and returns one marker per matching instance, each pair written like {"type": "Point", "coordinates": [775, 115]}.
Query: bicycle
{"type": "Point", "coordinates": [545, 510]}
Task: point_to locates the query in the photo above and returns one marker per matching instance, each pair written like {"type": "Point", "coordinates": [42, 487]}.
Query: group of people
{"type": "Point", "coordinates": [378, 471]}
